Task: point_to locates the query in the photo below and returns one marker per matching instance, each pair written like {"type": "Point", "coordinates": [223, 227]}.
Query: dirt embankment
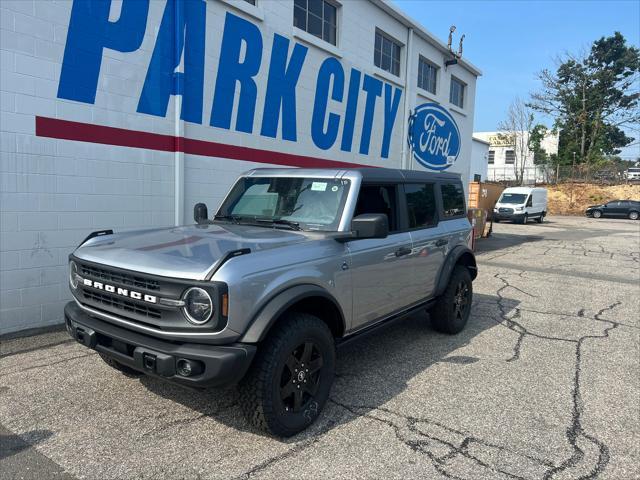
{"type": "Point", "coordinates": [585, 194]}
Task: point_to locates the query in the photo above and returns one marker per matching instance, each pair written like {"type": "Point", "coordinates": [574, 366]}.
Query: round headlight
{"type": "Point", "coordinates": [74, 276]}
{"type": "Point", "coordinates": [198, 306]}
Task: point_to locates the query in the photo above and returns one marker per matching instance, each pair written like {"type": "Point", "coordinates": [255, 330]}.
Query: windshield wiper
{"type": "Point", "coordinates": [233, 218]}
{"type": "Point", "coordinates": [280, 221]}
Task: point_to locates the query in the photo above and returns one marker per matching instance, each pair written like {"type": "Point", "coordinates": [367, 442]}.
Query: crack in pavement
{"type": "Point", "coordinates": [575, 431]}
{"type": "Point", "coordinates": [427, 444]}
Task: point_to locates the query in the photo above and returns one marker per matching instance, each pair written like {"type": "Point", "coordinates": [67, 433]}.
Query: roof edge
{"type": "Point", "coordinates": [421, 31]}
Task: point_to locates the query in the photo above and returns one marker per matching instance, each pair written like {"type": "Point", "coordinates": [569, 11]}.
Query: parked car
{"type": "Point", "coordinates": [633, 173]}
{"type": "Point", "coordinates": [295, 262]}
{"type": "Point", "coordinates": [615, 209]}
{"type": "Point", "coordinates": [519, 204]}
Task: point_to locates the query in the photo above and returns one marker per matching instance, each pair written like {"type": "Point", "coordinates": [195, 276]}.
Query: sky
{"type": "Point", "coordinates": [512, 40]}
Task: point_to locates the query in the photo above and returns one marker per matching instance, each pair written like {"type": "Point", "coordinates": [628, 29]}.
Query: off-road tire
{"type": "Point", "coordinates": [128, 371]}
{"type": "Point", "coordinates": [260, 390]}
{"type": "Point", "coordinates": [443, 314]}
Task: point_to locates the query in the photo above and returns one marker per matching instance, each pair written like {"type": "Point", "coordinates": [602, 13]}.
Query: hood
{"type": "Point", "coordinates": [182, 252]}
{"type": "Point", "coordinates": [595, 206]}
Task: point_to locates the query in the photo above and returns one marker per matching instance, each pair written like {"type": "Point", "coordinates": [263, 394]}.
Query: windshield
{"type": "Point", "coordinates": [307, 203]}
{"type": "Point", "coordinates": [515, 198]}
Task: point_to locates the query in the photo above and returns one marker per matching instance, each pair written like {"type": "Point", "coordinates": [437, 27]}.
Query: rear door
{"type": "Point", "coordinates": [453, 215]}
{"type": "Point", "coordinates": [429, 239]}
{"type": "Point", "coordinates": [380, 268]}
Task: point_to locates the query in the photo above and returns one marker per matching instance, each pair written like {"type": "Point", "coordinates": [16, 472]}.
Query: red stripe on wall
{"type": "Point", "coordinates": [87, 132]}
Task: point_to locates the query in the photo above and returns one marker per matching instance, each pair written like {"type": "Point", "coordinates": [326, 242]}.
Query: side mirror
{"type": "Point", "coordinates": [200, 213]}
{"type": "Point", "coordinates": [370, 225]}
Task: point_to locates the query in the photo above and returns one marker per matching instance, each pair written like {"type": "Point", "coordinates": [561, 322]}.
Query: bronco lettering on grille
{"type": "Point", "coordinates": [120, 291]}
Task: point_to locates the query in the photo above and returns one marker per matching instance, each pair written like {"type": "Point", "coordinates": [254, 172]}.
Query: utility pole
{"type": "Point", "coordinates": [573, 171]}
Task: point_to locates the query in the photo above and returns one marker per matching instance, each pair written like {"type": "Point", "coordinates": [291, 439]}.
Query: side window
{"type": "Point", "coordinates": [452, 199]}
{"type": "Point", "coordinates": [530, 201]}
{"type": "Point", "coordinates": [421, 204]}
{"type": "Point", "coordinates": [378, 199]}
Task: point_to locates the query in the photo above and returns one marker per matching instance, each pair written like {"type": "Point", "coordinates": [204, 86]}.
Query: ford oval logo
{"type": "Point", "coordinates": [434, 137]}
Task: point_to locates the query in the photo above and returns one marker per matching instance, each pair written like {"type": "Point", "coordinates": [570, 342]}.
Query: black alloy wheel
{"type": "Point", "coordinates": [461, 301]}
{"type": "Point", "coordinates": [300, 377]}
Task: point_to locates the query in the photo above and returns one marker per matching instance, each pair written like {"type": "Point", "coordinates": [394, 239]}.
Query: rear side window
{"type": "Point", "coordinates": [452, 199]}
{"type": "Point", "coordinates": [421, 204]}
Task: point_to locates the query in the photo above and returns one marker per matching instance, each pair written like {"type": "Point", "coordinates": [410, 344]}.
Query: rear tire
{"type": "Point", "coordinates": [128, 371]}
{"type": "Point", "coordinates": [290, 379]}
{"type": "Point", "coordinates": [540, 219]}
{"type": "Point", "coordinates": [451, 311]}
{"type": "Point", "coordinates": [633, 215]}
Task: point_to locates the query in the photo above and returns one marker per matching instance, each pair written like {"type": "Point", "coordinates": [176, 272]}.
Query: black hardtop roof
{"type": "Point", "coordinates": [373, 174]}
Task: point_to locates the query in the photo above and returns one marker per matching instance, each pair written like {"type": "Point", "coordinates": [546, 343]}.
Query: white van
{"type": "Point", "coordinates": [520, 204]}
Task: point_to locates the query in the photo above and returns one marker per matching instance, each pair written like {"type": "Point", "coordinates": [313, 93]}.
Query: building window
{"type": "Point", "coordinates": [427, 75]}
{"type": "Point", "coordinates": [252, 2]}
{"type": "Point", "coordinates": [387, 53]}
{"type": "Point", "coordinates": [456, 94]}
{"type": "Point", "coordinates": [317, 17]}
{"type": "Point", "coordinates": [510, 157]}
{"type": "Point", "coordinates": [491, 158]}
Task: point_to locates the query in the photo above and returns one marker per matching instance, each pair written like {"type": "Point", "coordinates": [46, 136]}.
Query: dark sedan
{"type": "Point", "coordinates": [615, 209]}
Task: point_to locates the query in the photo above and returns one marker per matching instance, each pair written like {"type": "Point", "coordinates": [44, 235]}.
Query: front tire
{"type": "Point", "coordinates": [633, 215]}
{"type": "Point", "coordinates": [540, 219]}
{"type": "Point", "coordinates": [597, 214]}
{"type": "Point", "coordinates": [451, 312]}
{"type": "Point", "coordinates": [290, 379]}
{"type": "Point", "coordinates": [525, 219]}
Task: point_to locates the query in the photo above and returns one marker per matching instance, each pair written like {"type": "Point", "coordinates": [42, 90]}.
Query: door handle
{"type": "Point", "coordinates": [403, 251]}
{"type": "Point", "coordinates": [441, 243]}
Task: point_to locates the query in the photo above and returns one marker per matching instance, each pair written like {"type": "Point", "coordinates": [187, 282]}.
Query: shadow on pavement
{"type": "Point", "coordinates": [371, 371]}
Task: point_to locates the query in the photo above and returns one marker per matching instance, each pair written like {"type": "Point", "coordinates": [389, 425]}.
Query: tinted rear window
{"type": "Point", "coordinates": [452, 199]}
{"type": "Point", "coordinates": [421, 203]}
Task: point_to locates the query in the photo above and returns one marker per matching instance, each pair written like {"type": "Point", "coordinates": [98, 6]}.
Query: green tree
{"type": "Point", "coordinates": [593, 97]}
{"type": "Point", "coordinates": [536, 136]}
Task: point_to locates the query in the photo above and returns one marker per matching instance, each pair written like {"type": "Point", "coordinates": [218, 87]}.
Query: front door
{"type": "Point", "coordinates": [380, 268]}
{"type": "Point", "coordinates": [429, 239]}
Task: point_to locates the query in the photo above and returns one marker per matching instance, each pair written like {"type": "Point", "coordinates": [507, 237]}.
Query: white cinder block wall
{"type": "Point", "coordinates": [61, 181]}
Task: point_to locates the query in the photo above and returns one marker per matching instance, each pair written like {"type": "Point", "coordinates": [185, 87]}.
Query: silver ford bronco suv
{"type": "Point", "coordinates": [294, 263]}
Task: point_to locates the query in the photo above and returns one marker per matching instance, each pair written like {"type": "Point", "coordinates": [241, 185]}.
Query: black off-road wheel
{"type": "Point", "coordinates": [128, 371]}
{"type": "Point", "coordinates": [291, 376]}
{"type": "Point", "coordinates": [451, 312]}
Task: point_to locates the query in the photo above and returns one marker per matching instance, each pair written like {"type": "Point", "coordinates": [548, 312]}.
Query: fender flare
{"type": "Point", "coordinates": [278, 304]}
{"type": "Point", "coordinates": [450, 262]}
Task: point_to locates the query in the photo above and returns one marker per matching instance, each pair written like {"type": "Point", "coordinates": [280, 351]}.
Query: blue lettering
{"type": "Point", "coordinates": [89, 32]}
{"type": "Point", "coordinates": [182, 29]}
{"type": "Point", "coordinates": [329, 68]}
{"type": "Point", "coordinates": [390, 112]}
{"type": "Point", "coordinates": [237, 32]}
{"type": "Point", "coordinates": [350, 114]}
{"type": "Point", "coordinates": [373, 87]}
{"type": "Point", "coordinates": [281, 89]}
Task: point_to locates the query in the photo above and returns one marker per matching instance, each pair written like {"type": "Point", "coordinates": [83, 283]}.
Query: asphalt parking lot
{"type": "Point", "coordinates": [543, 384]}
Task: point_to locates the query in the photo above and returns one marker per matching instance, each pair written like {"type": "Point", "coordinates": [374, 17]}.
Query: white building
{"type": "Point", "coordinates": [504, 156]}
{"type": "Point", "coordinates": [479, 158]}
{"type": "Point", "coordinates": [111, 120]}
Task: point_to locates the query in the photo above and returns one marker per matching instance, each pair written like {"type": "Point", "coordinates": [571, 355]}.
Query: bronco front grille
{"type": "Point", "coordinates": [121, 278]}
{"type": "Point", "coordinates": [120, 303]}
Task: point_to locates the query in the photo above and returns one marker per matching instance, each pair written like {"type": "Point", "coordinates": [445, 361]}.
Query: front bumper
{"type": "Point", "coordinates": [220, 364]}
{"type": "Point", "coordinates": [508, 216]}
